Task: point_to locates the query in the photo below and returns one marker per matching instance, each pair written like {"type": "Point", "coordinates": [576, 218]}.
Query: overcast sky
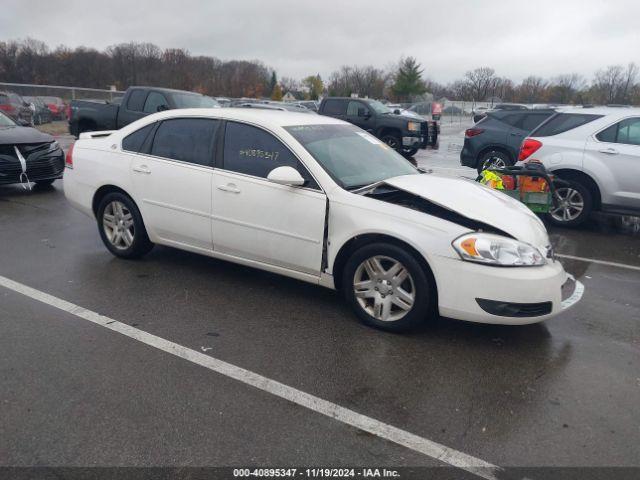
{"type": "Point", "coordinates": [300, 37]}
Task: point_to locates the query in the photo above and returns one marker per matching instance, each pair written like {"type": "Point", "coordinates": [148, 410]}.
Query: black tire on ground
{"type": "Point", "coordinates": [494, 158]}
{"type": "Point", "coordinates": [393, 141]}
{"type": "Point", "coordinates": [141, 245]}
{"type": "Point", "coordinates": [423, 308]}
{"type": "Point", "coordinates": [409, 152]}
{"type": "Point", "coordinates": [44, 183]}
{"type": "Point", "coordinates": [582, 196]}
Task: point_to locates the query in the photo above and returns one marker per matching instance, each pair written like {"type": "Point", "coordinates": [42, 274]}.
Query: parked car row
{"type": "Point", "coordinates": [32, 110]}
{"type": "Point", "coordinates": [595, 151]}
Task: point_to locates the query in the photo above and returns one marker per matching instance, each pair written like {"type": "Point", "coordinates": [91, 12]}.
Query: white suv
{"type": "Point", "coordinates": [597, 150]}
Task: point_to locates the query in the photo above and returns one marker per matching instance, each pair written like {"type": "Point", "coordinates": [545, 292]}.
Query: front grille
{"type": "Point", "coordinates": [42, 163]}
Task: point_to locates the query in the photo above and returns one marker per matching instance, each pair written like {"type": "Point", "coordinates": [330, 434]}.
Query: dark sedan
{"type": "Point", "coordinates": [495, 140]}
{"type": "Point", "coordinates": [28, 155]}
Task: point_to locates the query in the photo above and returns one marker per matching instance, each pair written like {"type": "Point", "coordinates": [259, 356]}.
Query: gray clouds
{"type": "Point", "coordinates": [297, 38]}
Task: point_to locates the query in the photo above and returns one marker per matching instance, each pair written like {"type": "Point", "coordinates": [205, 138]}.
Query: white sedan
{"type": "Point", "coordinates": [320, 200]}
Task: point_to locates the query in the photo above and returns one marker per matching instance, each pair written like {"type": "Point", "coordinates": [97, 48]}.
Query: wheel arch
{"type": "Point", "coordinates": [390, 131]}
{"type": "Point", "coordinates": [358, 241]}
{"type": "Point", "coordinates": [500, 148]}
{"type": "Point", "coordinates": [585, 179]}
{"type": "Point", "coordinates": [103, 191]}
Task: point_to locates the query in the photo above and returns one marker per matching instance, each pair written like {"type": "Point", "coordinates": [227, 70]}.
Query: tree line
{"type": "Point", "coordinates": [135, 63]}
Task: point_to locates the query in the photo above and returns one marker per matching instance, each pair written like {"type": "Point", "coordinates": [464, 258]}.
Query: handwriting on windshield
{"type": "Point", "coordinates": [253, 152]}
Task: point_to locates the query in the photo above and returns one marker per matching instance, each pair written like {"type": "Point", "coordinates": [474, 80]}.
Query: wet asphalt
{"type": "Point", "coordinates": [564, 393]}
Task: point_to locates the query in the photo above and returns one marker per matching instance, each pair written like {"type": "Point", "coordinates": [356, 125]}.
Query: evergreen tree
{"type": "Point", "coordinates": [277, 93]}
{"type": "Point", "coordinates": [273, 82]}
{"type": "Point", "coordinates": [408, 79]}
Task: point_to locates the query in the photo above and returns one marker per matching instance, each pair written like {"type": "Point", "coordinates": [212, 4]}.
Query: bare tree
{"type": "Point", "coordinates": [481, 82]}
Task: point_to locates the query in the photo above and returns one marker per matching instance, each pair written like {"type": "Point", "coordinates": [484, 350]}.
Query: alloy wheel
{"type": "Point", "coordinates": [494, 162]}
{"type": "Point", "coordinates": [117, 222]}
{"type": "Point", "coordinates": [384, 288]}
{"type": "Point", "coordinates": [569, 204]}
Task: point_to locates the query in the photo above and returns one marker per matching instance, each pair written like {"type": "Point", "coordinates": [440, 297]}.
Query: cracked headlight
{"type": "Point", "coordinates": [497, 250]}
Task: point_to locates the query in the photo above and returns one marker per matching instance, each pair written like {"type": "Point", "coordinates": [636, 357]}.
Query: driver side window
{"type": "Point", "coordinates": [253, 151]}
{"type": "Point", "coordinates": [154, 101]}
{"type": "Point", "coordinates": [356, 109]}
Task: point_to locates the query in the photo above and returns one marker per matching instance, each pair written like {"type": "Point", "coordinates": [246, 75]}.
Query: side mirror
{"type": "Point", "coordinates": [162, 108]}
{"type": "Point", "coordinates": [396, 111]}
{"type": "Point", "coordinates": [286, 176]}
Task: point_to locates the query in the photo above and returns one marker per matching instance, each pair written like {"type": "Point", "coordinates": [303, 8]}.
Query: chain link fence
{"type": "Point", "coordinates": [66, 93]}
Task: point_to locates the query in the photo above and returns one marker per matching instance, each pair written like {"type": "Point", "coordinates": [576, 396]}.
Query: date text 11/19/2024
{"type": "Point", "coordinates": [315, 473]}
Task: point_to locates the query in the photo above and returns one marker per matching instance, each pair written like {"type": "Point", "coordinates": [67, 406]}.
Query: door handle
{"type": "Point", "coordinates": [142, 169]}
{"type": "Point", "coordinates": [229, 188]}
{"type": "Point", "coordinates": [609, 151]}
{"type": "Point", "coordinates": [517, 134]}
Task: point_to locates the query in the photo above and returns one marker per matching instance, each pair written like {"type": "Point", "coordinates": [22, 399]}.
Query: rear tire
{"type": "Point", "coordinates": [121, 227]}
{"type": "Point", "coordinates": [388, 288]}
{"type": "Point", "coordinates": [494, 158]}
{"type": "Point", "coordinates": [574, 207]}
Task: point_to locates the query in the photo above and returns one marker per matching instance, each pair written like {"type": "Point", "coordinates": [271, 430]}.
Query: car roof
{"type": "Point", "coordinates": [620, 111]}
{"type": "Point", "coordinates": [263, 116]}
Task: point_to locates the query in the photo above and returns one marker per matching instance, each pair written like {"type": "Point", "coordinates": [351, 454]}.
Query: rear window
{"type": "Point", "coordinates": [563, 122]}
{"type": "Point", "coordinates": [532, 120]}
{"type": "Point", "coordinates": [334, 107]}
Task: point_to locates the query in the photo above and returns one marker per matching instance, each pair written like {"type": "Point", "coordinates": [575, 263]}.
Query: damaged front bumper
{"type": "Point", "coordinates": [33, 162]}
{"type": "Point", "coordinates": [503, 295]}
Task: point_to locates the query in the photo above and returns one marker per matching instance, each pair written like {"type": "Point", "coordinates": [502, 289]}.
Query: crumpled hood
{"type": "Point", "coordinates": [477, 202]}
{"type": "Point", "coordinates": [22, 135]}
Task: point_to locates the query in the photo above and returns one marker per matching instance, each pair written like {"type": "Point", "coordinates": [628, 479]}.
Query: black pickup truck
{"type": "Point", "coordinates": [92, 115]}
{"type": "Point", "coordinates": [406, 133]}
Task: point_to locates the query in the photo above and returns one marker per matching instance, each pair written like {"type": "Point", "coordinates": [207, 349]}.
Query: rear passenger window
{"type": "Point", "coordinates": [253, 151]}
{"type": "Point", "coordinates": [134, 141]}
{"type": "Point", "coordinates": [513, 119]}
{"type": "Point", "coordinates": [629, 131]}
{"type": "Point", "coordinates": [334, 107]}
{"type": "Point", "coordinates": [609, 134]}
{"type": "Point", "coordinates": [186, 139]}
{"type": "Point", "coordinates": [531, 121]}
{"type": "Point", "coordinates": [563, 122]}
{"type": "Point", "coordinates": [136, 100]}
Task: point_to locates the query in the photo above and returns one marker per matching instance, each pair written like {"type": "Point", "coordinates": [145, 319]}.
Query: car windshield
{"type": "Point", "coordinates": [351, 156]}
{"type": "Point", "coordinates": [378, 107]}
{"type": "Point", "coordinates": [192, 100]}
{"type": "Point", "coordinates": [6, 121]}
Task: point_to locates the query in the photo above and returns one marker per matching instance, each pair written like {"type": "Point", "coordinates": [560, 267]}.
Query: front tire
{"type": "Point", "coordinates": [572, 206]}
{"type": "Point", "coordinates": [393, 141]}
{"type": "Point", "coordinates": [388, 288]}
{"type": "Point", "coordinates": [121, 227]}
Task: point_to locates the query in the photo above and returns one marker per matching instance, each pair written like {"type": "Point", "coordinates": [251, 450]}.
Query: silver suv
{"type": "Point", "coordinates": [597, 151]}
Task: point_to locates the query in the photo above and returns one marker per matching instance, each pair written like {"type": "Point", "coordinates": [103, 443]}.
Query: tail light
{"type": "Point", "coordinates": [68, 159]}
{"type": "Point", "coordinates": [529, 146]}
{"type": "Point", "coordinates": [472, 132]}
{"type": "Point", "coordinates": [68, 112]}
{"type": "Point", "coordinates": [7, 108]}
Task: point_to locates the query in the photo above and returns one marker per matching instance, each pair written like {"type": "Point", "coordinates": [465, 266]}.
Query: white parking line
{"type": "Point", "coordinates": [599, 262]}
{"type": "Point", "coordinates": [383, 430]}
